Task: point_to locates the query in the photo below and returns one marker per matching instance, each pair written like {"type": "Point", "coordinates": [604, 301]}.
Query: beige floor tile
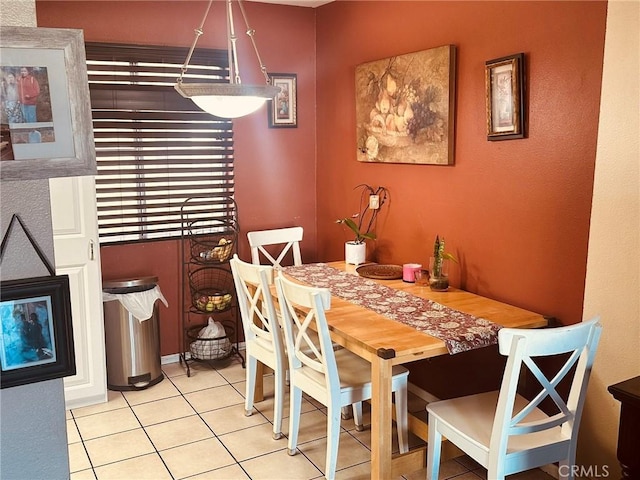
{"type": "Point", "coordinates": [252, 442]}
{"type": "Point", "coordinates": [448, 469]}
{"type": "Point", "coordinates": [178, 432]}
{"type": "Point", "coordinates": [357, 472]}
{"type": "Point", "coordinates": [164, 389]}
{"type": "Point", "coordinates": [313, 426]}
{"type": "Point", "coordinates": [212, 398]}
{"type": "Point", "coordinates": [118, 447]}
{"type": "Point", "coordinates": [196, 458]}
{"type": "Point", "coordinates": [233, 472]}
{"type": "Point", "coordinates": [147, 467]}
{"type": "Point", "coordinates": [68, 415]}
{"type": "Point", "coordinates": [171, 370]}
{"type": "Point", "coordinates": [114, 401]}
{"type": "Point", "coordinates": [83, 475]}
{"type": "Point", "coordinates": [350, 452]}
{"type": "Point", "coordinates": [231, 419]}
{"type": "Point", "coordinates": [234, 372]}
{"type": "Point", "coordinates": [162, 410]}
{"type": "Point", "coordinates": [106, 423]}
{"type": "Point", "coordinates": [280, 466]}
{"type": "Point", "coordinates": [78, 459]}
{"type": "Point", "coordinates": [73, 435]}
{"type": "Point", "coordinates": [199, 380]}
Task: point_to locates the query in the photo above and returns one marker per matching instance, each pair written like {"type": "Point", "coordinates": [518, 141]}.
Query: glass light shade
{"type": "Point", "coordinates": [227, 100]}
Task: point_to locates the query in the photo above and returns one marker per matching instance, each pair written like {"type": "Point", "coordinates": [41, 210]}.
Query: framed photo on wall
{"type": "Point", "coordinates": [283, 109]}
{"type": "Point", "coordinates": [504, 78]}
{"type": "Point", "coordinates": [36, 335]}
{"type": "Point", "coordinates": [45, 104]}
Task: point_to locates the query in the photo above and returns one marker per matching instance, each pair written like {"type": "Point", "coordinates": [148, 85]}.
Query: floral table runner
{"type": "Point", "coordinates": [459, 331]}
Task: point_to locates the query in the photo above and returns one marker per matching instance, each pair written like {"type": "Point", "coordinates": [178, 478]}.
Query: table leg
{"type": "Point", "coordinates": [258, 394]}
{"type": "Point", "coordinates": [381, 406]}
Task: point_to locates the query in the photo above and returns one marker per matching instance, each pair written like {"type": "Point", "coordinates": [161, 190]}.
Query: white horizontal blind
{"type": "Point", "coordinates": [155, 148]}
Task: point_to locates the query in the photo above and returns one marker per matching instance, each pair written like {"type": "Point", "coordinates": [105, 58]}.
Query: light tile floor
{"type": "Point", "coordinates": [194, 427]}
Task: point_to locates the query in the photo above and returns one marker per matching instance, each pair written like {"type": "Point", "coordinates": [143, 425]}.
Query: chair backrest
{"type": "Point", "coordinates": [577, 342]}
{"type": "Point", "coordinates": [256, 304]}
{"type": "Point", "coordinates": [288, 238]}
{"type": "Point", "coordinates": [303, 311]}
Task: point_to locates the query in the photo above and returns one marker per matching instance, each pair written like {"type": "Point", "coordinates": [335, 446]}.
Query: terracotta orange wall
{"type": "Point", "coordinates": [516, 213]}
{"type": "Point", "coordinates": [275, 168]}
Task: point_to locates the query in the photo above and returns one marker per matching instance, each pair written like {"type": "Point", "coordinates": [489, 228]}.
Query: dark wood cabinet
{"type": "Point", "coordinates": [628, 393]}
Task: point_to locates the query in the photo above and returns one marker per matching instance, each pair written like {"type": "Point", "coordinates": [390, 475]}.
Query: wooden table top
{"type": "Point", "coordinates": [369, 333]}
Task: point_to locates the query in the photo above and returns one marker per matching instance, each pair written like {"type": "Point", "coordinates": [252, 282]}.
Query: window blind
{"type": "Point", "coordinates": [154, 148]}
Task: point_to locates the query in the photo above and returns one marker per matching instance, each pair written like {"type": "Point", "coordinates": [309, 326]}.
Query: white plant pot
{"type": "Point", "coordinates": [355, 253]}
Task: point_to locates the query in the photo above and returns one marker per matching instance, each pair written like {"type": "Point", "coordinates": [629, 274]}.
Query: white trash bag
{"type": "Point", "coordinates": [212, 343]}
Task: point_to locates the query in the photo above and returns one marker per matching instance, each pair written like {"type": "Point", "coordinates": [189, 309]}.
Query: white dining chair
{"type": "Point", "coordinates": [262, 337]}
{"type": "Point", "coordinates": [285, 240]}
{"type": "Point", "coordinates": [503, 431]}
{"type": "Point", "coordinates": [335, 378]}
{"type": "Point", "coordinates": [273, 246]}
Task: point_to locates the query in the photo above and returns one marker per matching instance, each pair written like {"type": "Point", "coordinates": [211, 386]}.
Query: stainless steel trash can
{"type": "Point", "coordinates": [132, 345]}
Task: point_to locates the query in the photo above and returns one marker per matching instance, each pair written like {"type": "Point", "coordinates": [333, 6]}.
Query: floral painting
{"type": "Point", "coordinates": [405, 108]}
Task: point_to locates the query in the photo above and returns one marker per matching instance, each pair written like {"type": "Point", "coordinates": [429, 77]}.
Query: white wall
{"type": "Point", "coordinates": [613, 267]}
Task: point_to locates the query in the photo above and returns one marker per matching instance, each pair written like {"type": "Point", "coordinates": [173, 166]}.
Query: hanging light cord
{"type": "Point", "coordinates": [251, 32]}
{"type": "Point", "coordinates": [198, 31]}
{"type": "Point", "coordinates": [231, 47]}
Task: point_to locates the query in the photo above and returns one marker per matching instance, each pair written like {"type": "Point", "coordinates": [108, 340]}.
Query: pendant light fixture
{"type": "Point", "coordinates": [233, 99]}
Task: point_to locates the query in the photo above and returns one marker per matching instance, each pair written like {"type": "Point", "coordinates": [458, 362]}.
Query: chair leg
{"type": "Point", "coordinates": [252, 367]}
{"type": "Point", "coordinates": [357, 416]}
{"type": "Point", "coordinates": [295, 402]}
{"type": "Point", "coordinates": [278, 404]}
{"type": "Point", "coordinates": [402, 420]}
{"type": "Point", "coordinates": [333, 440]}
{"type": "Point", "coordinates": [434, 448]}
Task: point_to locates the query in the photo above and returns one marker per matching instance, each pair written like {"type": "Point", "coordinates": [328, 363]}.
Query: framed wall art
{"type": "Point", "coordinates": [504, 78]}
{"type": "Point", "coordinates": [405, 108]}
{"type": "Point", "coordinates": [283, 109]}
{"type": "Point", "coordinates": [45, 104]}
{"type": "Point", "coordinates": [36, 336]}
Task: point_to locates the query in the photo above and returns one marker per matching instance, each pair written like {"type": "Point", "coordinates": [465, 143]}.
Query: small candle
{"type": "Point", "coordinates": [409, 272]}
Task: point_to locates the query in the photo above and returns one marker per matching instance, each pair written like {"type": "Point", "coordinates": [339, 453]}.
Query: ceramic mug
{"type": "Point", "coordinates": [409, 272]}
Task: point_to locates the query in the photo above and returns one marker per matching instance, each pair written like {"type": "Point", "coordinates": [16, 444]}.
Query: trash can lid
{"type": "Point", "coordinates": [149, 281]}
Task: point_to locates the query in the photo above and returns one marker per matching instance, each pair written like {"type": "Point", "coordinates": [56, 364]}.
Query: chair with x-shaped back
{"type": "Point", "coordinates": [335, 378]}
{"type": "Point", "coordinates": [503, 431]}
{"type": "Point", "coordinates": [284, 240]}
{"type": "Point", "coordinates": [263, 340]}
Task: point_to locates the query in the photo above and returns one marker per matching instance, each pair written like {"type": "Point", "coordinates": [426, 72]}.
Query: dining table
{"type": "Point", "coordinates": [392, 322]}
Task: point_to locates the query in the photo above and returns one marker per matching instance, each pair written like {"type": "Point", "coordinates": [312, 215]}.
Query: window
{"type": "Point", "coordinates": [155, 148]}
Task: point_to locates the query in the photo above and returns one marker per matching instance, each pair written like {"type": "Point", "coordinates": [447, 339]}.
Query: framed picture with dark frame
{"type": "Point", "coordinates": [283, 108]}
{"type": "Point", "coordinates": [504, 78]}
{"type": "Point", "coordinates": [36, 333]}
{"type": "Point", "coordinates": [46, 104]}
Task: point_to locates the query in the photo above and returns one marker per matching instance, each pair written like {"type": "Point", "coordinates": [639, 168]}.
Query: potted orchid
{"type": "Point", "coordinates": [362, 223]}
{"type": "Point", "coordinates": [439, 267]}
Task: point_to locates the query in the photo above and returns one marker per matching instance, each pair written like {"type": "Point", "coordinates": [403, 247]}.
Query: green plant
{"type": "Point", "coordinates": [439, 255]}
{"type": "Point", "coordinates": [362, 222]}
